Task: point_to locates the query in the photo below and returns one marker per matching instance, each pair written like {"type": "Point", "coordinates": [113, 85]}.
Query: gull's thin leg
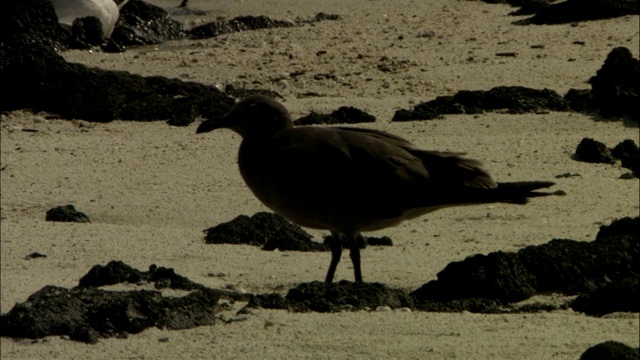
{"type": "Point", "coordinates": [354, 254]}
{"type": "Point", "coordinates": [336, 252]}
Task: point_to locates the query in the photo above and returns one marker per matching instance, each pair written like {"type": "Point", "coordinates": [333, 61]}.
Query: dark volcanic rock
{"type": "Point", "coordinates": [570, 11]}
{"type": "Point", "coordinates": [615, 87]}
{"type": "Point", "coordinates": [240, 23]}
{"type": "Point", "coordinates": [564, 266]}
{"type": "Point", "coordinates": [610, 350]}
{"type": "Point", "coordinates": [619, 296]}
{"type": "Point", "coordinates": [35, 22]}
{"type": "Point", "coordinates": [264, 229]}
{"type": "Point", "coordinates": [475, 305]}
{"type": "Point", "coordinates": [580, 100]}
{"type": "Point", "coordinates": [86, 314]}
{"type": "Point", "coordinates": [141, 23]}
{"type": "Point", "coordinates": [344, 115]}
{"type": "Point", "coordinates": [41, 80]}
{"type": "Point", "coordinates": [35, 255]}
{"type": "Point", "coordinates": [498, 275]}
{"type": "Point", "coordinates": [245, 23]}
{"type": "Point", "coordinates": [515, 99]}
{"type": "Point", "coordinates": [166, 278]}
{"type": "Point", "coordinates": [115, 272]}
{"type": "Point", "coordinates": [573, 267]}
{"type": "Point", "coordinates": [85, 33]}
{"type": "Point", "coordinates": [593, 151]}
{"type": "Point", "coordinates": [50, 311]}
{"type": "Point", "coordinates": [266, 301]}
{"type": "Point", "coordinates": [323, 297]}
{"type": "Point", "coordinates": [629, 154]}
{"type": "Point", "coordinates": [622, 226]}
{"type": "Point", "coordinates": [30, 22]}
{"type": "Point", "coordinates": [66, 213]}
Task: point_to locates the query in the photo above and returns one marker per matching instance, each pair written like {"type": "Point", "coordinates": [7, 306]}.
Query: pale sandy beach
{"type": "Point", "coordinates": [150, 188]}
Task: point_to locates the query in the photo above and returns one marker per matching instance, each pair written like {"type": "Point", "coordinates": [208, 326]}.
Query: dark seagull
{"type": "Point", "coordinates": [349, 180]}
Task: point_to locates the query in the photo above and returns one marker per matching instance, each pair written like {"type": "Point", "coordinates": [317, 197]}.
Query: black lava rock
{"type": "Point", "coordinates": [620, 227]}
{"type": "Point", "coordinates": [85, 33]}
{"type": "Point", "coordinates": [42, 80]}
{"type": "Point", "coordinates": [513, 99]}
{"type": "Point", "coordinates": [30, 23]}
{"type": "Point", "coordinates": [166, 278]}
{"type": "Point", "coordinates": [66, 213]}
{"type": "Point", "coordinates": [87, 314]}
{"type": "Point", "coordinates": [323, 297]}
{"type": "Point", "coordinates": [593, 151]}
{"type": "Point", "coordinates": [563, 266]}
{"type": "Point", "coordinates": [618, 296]}
{"type": "Point", "coordinates": [581, 10]}
{"type": "Point", "coordinates": [498, 275]}
{"type": "Point", "coordinates": [35, 255]}
{"type": "Point", "coordinates": [141, 23]}
{"type": "Point", "coordinates": [266, 301]}
{"type": "Point", "coordinates": [615, 86]}
{"type": "Point", "coordinates": [115, 272]}
{"type": "Point", "coordinates": [610, 350]}
{"type": "Point", "coordinates": [240, 23]}
{"type": "Point", "coordinates": [629, 155]}
{"type": "Point", "coordinates": [343, 115]}
{"type": "Point", "coordinates": [264, 229]}
{"type": "Point", "coordinates": [580, 100]}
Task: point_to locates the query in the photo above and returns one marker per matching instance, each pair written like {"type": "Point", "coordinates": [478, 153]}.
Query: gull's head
{"type": "Point", "coordinates": [253, 116]}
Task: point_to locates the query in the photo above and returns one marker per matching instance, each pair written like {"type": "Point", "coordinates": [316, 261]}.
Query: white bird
{"type": "Point", "coordinates": [106, 10]}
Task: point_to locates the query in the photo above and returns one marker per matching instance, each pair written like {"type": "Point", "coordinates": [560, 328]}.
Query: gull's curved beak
{"type": "Point", "coordinates": [207, 125]}
{"type": "Point", "coordinates": [213, 124]}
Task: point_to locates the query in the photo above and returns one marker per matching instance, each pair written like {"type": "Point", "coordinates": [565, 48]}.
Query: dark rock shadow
{"type": "Point", "coordinates": [343, 115]}
{"type": "Point", "coordinates": [271, 232]}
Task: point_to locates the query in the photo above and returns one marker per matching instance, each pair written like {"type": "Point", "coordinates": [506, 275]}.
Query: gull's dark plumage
{"type": "Point", "coordinates": [349, 180]}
